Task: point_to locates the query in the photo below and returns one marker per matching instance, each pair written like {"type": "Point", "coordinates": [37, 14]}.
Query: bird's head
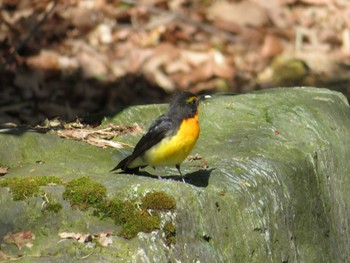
{"type": "Point", "coordinates": [184, 105]}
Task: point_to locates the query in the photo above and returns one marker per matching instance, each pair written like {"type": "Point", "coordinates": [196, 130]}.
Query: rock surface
{"type": "Point", "coordinates": [277, 186]}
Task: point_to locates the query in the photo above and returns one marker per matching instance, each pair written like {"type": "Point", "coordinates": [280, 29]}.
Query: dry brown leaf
{"type": "Point", "coordinates": [80, 237]}
{"type": "Point", "coordinates": [205, 66]}
{"type": "Point", "coordinates": [151, 38]}
{"type": "Point", "coordinates": [228, 26]}
{"type": "Point", "coordinates": [93, 64]}
{"type": "Point", "coordinates": [45, 60]}
{"type": "Point", "coordinates": [104, 33]}
{"type": "Point", "coordinates": [50, 124]}
{"type": "Point", "coordinates": [98, 137]}
{"type": "Point", "coordinates": [244, 13]}
{"type": "Point", "coordinates": [177, 66]}
{"type": "Point", "coordinates": [84, 19]}
{"type": "Point", "coordinates": [194, 58]}
{"type": "Point", "coordinates": [271, 47]}
{"type": "Point", "coordinates": [20, 239]}
{"type": "Point", "coordinates": [78, 134]}
{"type": "Point", "coordinates": [104, 143]}
{"type": "Point", "coordinates": [177, 31]}
{"type": "Point", "coordinates": [153, 70]}
{"type": "Point", "coordinates": [281, 17]}
{"type": "Point", "coordinates": [195, 157]}
{"type": "Point", "coordinates": [102, 238]}
{"type": "Point", "coordinates": [315, 2]}
{"type": "Point", "coordinates": [4, 257]}
{"type": "Point", "coordinates": [3, 170]}
{"type": "Point", "coordinates": [136, 59]}
{"type": "Point", "coordinates": [221, 68]}
{"type": "Point", "coordinates": [198, 74]}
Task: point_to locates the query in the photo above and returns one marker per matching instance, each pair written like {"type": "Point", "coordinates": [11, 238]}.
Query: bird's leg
{"type": "Point", "coordinates": [159, 177]}
{"type": "Point", "coordinates": [178, 168]}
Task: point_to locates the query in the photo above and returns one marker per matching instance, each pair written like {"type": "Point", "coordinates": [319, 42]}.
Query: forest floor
{"type": "Point", "coordinates": [69, 58]}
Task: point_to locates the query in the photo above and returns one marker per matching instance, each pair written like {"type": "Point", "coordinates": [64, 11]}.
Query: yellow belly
{"type": "Point", "coordinates": [173, 150]}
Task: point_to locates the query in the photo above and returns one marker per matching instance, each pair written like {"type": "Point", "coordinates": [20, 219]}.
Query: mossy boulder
{"type": "Point", "coordinates": [270, 183]}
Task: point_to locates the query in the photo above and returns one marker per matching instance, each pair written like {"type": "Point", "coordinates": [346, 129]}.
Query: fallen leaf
{"type": "Point", "coordinates": [153, 69]}
{"type": "Point", "coordinates": [20, 239]}
{"type": "Point", "coordinates": [3, 170]}
{"type": "Point", "coordinates": [92, 63]}
{"type": "Point", "coordinates": [80, 237]}
{"type": "Point", "coordinates": [271, 47]}
{"type": "Point", "coordinates": [205, 66]}
{"type": "Point", "coordinates": [103, 238]}
{"type": "Point", "coordinates": [74, 134]}
{"type": "Point", "coordinates": [221, 67]}
{"type": "Point", "coordinates": [204, 164]}
{"type": "Point", "coordinates": [4, 257]}
{"type": "Point", "coordinates": [50, 124]}
{"type": "Point", "coordinates": [198, 74]}
{"type": "Point", "coordinates": [45, 60]}
{"type": "Point", "coordinates": [315, 2]}
{"type": "Point", "coordinates": [152, 38]}
{"type": "Point", "coordinates": [83, 18]}
{"type": "Point", "coordinates": [244, 13]}
{"type": "Point", "coordinates": [194, 58]}
{"type": "Point", "coordinates": [104, 143]}
{"type": "Point", "coordinates": [195, 157]}
{"type": "Point", "coordinates": [98, 137]}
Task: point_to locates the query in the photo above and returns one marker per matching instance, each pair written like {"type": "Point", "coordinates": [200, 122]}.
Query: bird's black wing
{"type": "Point", "coordinates": [157, 132]}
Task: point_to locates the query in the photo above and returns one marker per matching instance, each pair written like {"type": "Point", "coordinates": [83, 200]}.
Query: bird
{"type": "Point", "coordinates": [170, 138]}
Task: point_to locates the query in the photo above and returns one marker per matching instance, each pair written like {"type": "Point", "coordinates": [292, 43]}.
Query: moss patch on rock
{"type": "Point", "coordinates": [24, 187]}
{"type": "Point", "coordinates": [127, 214]}
{"type": "Point", "coordinates": [53, 207]}
{"type": "Point", "coordinates": [137, 216]}
{"type": "Point", "coordinates": [134, 216]}
{"type": "Point", "coordinates": [139, 221]}
{"type": "Point", "coordinates": [170, 233]}
{"type": "Point", "coordinates": [83, 193]}
{"type": "Point", "coordinates": [158, 201]}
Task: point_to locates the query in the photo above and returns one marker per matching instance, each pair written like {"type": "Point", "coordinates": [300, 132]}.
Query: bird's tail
{"type": "Point", "coordinates": [122, 164]}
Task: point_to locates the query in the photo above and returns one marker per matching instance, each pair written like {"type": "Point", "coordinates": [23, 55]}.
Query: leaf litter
{"type": "Point", "coordinates": [103, 238]}
{"type": "Point", "coordinates": [97, 136]}
{"type": "Point", "coordinates": [66, 58]}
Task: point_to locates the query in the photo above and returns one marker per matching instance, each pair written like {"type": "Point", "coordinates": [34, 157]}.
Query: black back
{"type": "Point", "coordinates": [183, 106]}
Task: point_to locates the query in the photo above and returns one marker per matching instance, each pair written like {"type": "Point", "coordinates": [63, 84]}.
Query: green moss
{"type": "Point", "coordinates": [139, 221]}
{"type": "Point", "coordinates": [159, 201]}
{"type": "Point", "coordinates": [53, 207]}
{"type": "Point", "coordinates": [170, 233]}
{"type": "Point", "coordinates": [129, 216]}
{"type": "Point", "coordinates": [83, 193]}
{"type": "Point", "coordinates": [47, 180]}
{"type": "Point", "coordinates": [133, 216]}
{"type": "Point", "coordinates": [133, 219]}
{"type": "Point", "coordinates": [25, 187]}
{"type": "Point", "coordinates": [110, 208]}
